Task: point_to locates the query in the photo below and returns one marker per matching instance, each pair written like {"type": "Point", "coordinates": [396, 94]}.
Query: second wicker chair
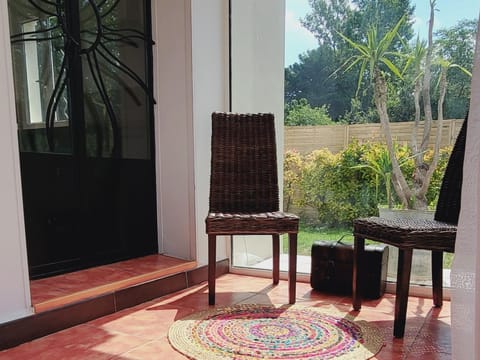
{"type": "Point", "coordinates": [408, 234]}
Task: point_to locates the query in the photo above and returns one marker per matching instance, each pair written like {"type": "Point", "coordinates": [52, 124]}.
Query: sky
{"type": "Point", "coordinates": [298, 39]}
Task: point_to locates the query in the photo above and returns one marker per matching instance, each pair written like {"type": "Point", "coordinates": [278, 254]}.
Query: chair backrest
{"type": "Point", "coordinates": [243, 175]}
{"type": "Point", "coordinates": [449, 198]}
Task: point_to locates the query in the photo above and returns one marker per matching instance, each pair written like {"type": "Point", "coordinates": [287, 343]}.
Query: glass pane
{"type": "Point", "coordinates": [38, 53]}
{"type": "Point", "coordinates": [328, 128]}
{"type": "Point", "coordinates": [117, 107]}
{"type": "Point", "coordinates": [337, 164]}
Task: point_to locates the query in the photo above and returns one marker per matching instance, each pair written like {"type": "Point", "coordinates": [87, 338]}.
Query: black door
{"type": "Point", "coordinates": [83, 86]}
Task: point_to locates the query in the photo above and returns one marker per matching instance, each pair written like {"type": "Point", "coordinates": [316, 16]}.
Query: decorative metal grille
{"type": "Point", "coordinates": [92, 43]}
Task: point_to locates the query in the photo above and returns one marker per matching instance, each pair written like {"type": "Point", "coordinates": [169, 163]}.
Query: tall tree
{"type": "Point", "coordinates": [385, 14]}
{"type": "Point", "coordinates": [353, 19]}
{"type": "Point", "coordinates": [310, 79]}
{"type": "Point", "coordinates": [424, 169]}
{"type": "Point", "coordinates": [375, 57]}
{"type": "Point", "coordinates": [455, 45]}
{"type": "Point", "coordinates": [326, 18]}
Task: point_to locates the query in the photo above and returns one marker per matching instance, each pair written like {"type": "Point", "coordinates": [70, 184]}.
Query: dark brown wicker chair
{"type": "Point", "coordinates": [408, 234]}
{"type": "Point", "coordinates": [244, 197]}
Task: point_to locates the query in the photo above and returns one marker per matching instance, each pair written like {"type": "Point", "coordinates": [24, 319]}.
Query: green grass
{"type": "Point", "coordinates": [447, 260]}
{"type": "Point", "coordinates": [307, 235]}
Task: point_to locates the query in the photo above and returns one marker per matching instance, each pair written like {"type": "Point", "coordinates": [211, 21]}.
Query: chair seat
{"type": "Point", "coordinates": [268, 223]}
{"type": "Point", "coordinates": [408, 233]}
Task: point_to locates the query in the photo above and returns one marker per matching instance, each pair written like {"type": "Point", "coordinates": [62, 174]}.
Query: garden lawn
{"type": "Point", "coordinates": [307, 235]}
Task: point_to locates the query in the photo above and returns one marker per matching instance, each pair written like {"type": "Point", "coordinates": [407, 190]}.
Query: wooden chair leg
{"type": "Point", "coordinates": [403, 284]}
{"type": "Point", "coordinates": [357, 288]}
{"type": "Point", "coordinates": [212, 263]}
{"type": "Point", "coordinates": [276, 258]}
{"type": "Point", "coordinates": [292, 267]}
{"type": "Point", "coordinates": [437, 277]}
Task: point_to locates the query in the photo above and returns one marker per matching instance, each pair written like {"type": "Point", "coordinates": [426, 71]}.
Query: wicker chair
{"type": "Point", "coordinates": [244, 195]}
{"type": "Point", "coordinates": [437, 235]}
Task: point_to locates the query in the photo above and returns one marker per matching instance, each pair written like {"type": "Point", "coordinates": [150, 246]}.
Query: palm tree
{"type": "Point", "coordinates": [375, 58]}
{"type": "Point", "coordinates": [376, 61]}
{"type": "Point", "coordinates": [379, 162]}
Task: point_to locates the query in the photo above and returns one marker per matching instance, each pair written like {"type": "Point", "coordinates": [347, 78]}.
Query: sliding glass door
{"type": "Point", "coordinates": [83, 86]}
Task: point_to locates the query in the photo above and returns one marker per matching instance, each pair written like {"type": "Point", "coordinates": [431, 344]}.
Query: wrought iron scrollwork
{"type": "Point", "coordinates": [91, 45]}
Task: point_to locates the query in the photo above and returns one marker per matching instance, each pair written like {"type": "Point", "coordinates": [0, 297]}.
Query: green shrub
{"type": "Point", "coordinates": [338, 189]}
{"type": "Point", "coordinates": [292, 175]}
{"type": "Point", "coordinates": [337, 192]}
{"type": "Point", "coordinates": [301, 113]}
{"type": "Point", "coordinates": [376, 159]}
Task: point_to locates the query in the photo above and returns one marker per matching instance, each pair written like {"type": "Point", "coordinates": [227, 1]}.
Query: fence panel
{"type": "Point", "coordinates": [305, 139]}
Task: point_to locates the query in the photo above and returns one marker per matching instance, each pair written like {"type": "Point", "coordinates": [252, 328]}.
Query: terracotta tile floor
{"type": "Point", "coordinates": [141, 332]}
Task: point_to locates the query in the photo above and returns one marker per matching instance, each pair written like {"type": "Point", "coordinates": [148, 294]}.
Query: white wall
{"type": "Point", "coordinates": [191, 75]}
{"type": "Point", "coordinates": [15, 291]}
{"type": "Point", "coordinates": [174, 128]}
{"type": "Point", "coordinates": [257, 82]}
{"type": "Point", "coordinates": [210, 93]}
{"type": "Point", "coordinates": [258, 44]}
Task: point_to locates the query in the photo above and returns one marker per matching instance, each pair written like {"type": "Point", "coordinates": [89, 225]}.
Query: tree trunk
{"type": "Point", "coordinates": [416, 100]}
{"type": "Point", "coordinates": [436, 151]}
{"type": "Point", "coordinates": [380, 95]}
{"type": "Point", "coordinates": [423, 171]}
{"type": "Point", "coordinates": [427, 107]}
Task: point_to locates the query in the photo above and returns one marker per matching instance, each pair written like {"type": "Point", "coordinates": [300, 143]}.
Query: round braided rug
{"type": "Point", "coordinates": [267, 332]}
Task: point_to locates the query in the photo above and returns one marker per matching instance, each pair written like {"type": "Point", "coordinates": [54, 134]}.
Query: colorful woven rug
{"type": "Point", "coordinates": [250, 332]}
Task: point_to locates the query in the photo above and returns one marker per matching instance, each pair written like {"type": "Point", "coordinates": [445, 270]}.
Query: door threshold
{"type": "Point", "coordinates": [60, 290]}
